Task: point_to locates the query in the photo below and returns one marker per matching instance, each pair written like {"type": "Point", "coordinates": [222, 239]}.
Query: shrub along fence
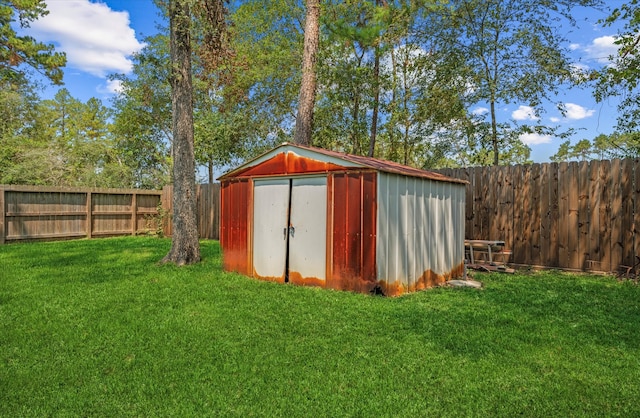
{"type": "Point", "coordinates": [574, 216]}
{"type": "Point", "coordinates": [33, 212]}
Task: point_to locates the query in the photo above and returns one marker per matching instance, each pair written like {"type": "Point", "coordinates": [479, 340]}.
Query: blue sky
{"type": "Point", "coordinates": [99, 38]}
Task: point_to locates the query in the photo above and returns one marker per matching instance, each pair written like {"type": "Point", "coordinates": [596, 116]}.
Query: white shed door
{"type": "Point", "coordinates": [308, 237]}
{"type": "Point", "coordinates": [290, 228]}
{"type": "Point", "coordinates": [270, 212]}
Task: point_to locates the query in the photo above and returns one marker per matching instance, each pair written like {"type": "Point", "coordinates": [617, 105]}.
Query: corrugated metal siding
{"type": "Point", "coordinates": [353, 231]}
{"type": "Point", "coordinates": [234, 217]}
{"type": "Point", "coordinates": [420, 232]}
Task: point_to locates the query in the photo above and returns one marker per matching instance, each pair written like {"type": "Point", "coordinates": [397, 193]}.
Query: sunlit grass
{"type": "Point", "coordinates": [98, 328]}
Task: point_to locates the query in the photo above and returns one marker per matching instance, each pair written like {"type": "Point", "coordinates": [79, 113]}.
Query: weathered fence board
{"type": "Point", "coordinates": [536, 181]}
{"type": "Point", "coordinates": [573, 206]}
{"type": "Point", "coordinates": [627, 225]}
{"type": "Point", "coordinates": [583, 214]}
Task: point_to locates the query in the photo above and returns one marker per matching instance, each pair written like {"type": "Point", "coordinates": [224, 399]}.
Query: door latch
{"type": "Point", "coordinates": [291, 230]}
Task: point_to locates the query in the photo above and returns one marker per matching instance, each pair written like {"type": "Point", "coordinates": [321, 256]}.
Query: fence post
{"type": "Point", "coordinates": [89, 216]}
{"type": "Point", "coordinates": [2, 216]}
{"type": "Point", "coordinates": [134, 213]}
{"type": "Point", "coordinates": [167, 206]}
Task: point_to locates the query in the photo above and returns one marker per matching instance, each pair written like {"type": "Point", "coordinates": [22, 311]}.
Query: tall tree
{"type": "Point", "coordinates": [142, 120]}
{"type": "Point", "coordinates": [624, 144]}
{"type": "Point", "coordinates": [514, 49]}
{"type": "Point", "coordinates": [63, 142]}
{"type": "Point", "coordinates": [185, 247]}
{"type": "Point", "coordinates": [268, 41]}
{"type": "Point", "coordinates": [16, 51]}
{"type": "Point", "coordinates": [621, 79]}
{"type": "Point", "coordinates": [306, 101]}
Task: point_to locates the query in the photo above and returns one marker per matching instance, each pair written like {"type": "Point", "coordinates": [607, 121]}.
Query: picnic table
{"type": "Point", "coordinates": [483, 255]}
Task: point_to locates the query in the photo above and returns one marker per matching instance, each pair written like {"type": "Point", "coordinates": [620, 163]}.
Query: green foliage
{"type": "Point", "coordinates": [509, 51]}
{"type": "Point", "coordinates": [583, 150]}
{"type": "Point", "coordinates": [615, 145]}
{"type": "Point", "coordinates": [19, 51]}
{"type": "Point", "coordinates": [142, 122]}
{"type": "Point", "coordinates": [563, 153]}
{"type": "Point", "coordinates": [373, 62]}
{"type": "Point", "coordinates": [267, 40]}
{"type": "Point", "coordinates": [398, 79]}
{"type": "Point", "coordinates": [98, 328]}
{"type": "Point", "coordinates": [621, 78]}
{"type": "Point", "coordinates": [62, 142]}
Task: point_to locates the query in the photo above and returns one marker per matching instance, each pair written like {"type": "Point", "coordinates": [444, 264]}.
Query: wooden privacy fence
{"type": "Point", "coordinates": [33, 212]}
{"type": "Point", "coordinates": [207, 208]}
{"type": "Point", "coordinates": [575, 216]}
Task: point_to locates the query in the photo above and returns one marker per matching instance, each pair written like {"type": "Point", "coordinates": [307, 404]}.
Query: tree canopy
{"type": "Point", "coordinates": [621, 78]}
{"type": "Point", "coordinates": [20, 51]}
{"type": "Point", "coordinates": [398, 80]}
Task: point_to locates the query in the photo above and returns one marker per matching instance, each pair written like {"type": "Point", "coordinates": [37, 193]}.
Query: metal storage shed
{"type": "Point", "coordinates": [309, 216]}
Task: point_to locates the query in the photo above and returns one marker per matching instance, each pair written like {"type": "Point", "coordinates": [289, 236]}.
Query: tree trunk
{"type": "Point", "coordinates": [185, 248]}
{"type": "Point", "coordinates": [376, 102]}
{"type": "Point", "coordinates": [494, 134]}
{"type": "Point", "coordinates": [306, 102]}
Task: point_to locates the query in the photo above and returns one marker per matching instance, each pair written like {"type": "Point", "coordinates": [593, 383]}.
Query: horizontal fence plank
{"type": "Point", "coordinates": [44, 236]}
{"type": "Point", "coordinates": [79, 190]}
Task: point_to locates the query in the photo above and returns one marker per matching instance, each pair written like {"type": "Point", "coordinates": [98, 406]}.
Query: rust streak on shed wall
{"type": "Point", "coordinates": [297, 279]}
{"type": "Point", "coordinates": [427, 280]}
{"type": "Point", "coordinates": [255, 275]}
{"type": "Point", "coordinates": [234, 214]}
{"type": "Point", "coordinates": [354, 231]}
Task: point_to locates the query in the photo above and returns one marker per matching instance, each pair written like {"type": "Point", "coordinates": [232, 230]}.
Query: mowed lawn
{"type": "Point", "coordinates": [98, 328]}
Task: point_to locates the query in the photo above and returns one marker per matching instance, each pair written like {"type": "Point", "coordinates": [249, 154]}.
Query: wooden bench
{"type": "Point", "coordinates": [489, 255]}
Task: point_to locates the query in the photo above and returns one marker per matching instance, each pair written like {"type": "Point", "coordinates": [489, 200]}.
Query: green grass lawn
{"type": "Point", "coordinates": [98, 328]}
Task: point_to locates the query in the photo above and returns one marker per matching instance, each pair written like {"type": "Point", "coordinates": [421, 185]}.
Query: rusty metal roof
{"type": "Point", "coordinates": [357, 160]}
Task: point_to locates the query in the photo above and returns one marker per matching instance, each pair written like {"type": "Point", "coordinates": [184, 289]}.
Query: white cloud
{"type": "Point", "coordinates": [524, 113]}
{"type": "Point", "coordinates": [577, 112]}
{"type": "Point", "coordinates": [535, 139]}
{"type": "Point", "coordinates": [111, 87]}
{"type": "Point", "coordinates": [479, 111]}
{"type": "Point", "coordinates": [580, 72]}
{"type": "Point", "coordinates": [555, 119]}
{"type": "Point", "coordinates": [600, 49]}
{"type": "Point", "coordinates": [96, 39]}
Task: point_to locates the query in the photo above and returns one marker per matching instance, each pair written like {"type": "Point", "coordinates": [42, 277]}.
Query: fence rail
{"type": "Point", "coordinates": [33, 212]}
{"type": "Point", "coordinates": [574, 216]}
